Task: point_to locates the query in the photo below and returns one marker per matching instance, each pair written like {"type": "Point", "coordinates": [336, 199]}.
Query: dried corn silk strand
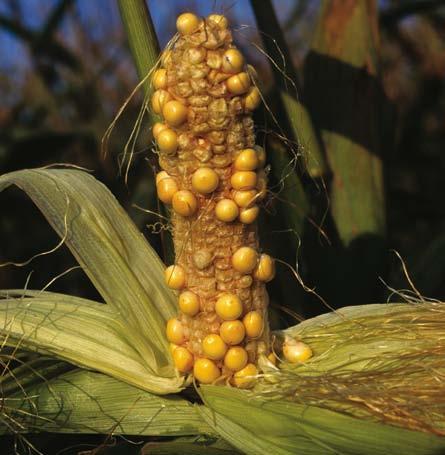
{"type": "Point", "coordinates": [212, 177]}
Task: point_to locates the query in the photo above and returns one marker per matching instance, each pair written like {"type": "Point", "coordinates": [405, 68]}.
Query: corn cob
{"type": "Point", "coordinates": [212, 176]}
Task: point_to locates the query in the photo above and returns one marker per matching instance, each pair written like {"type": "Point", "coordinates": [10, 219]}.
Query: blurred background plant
{"type": "Point", "coordinates": [361, 104]}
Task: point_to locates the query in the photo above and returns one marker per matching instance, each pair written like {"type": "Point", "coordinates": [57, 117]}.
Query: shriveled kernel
{"type": "Point", "coordinates": [245, 198]}
{"type": "Point", "coordinates": [175, 331]}
{"type": "Point", "coordinates": [236, 358]}
{"type": "Point", "coordinates": [175, 277]}
{"type": "Point", "coordinates": [238, 84]}
{"type": "Point", "coordinates": [261, 155]}
{"type": "Point", "coordinates": [189, 303]}
{"type": "Point", "coordinates": [159, 99]}
{"type": "Point", "coordinates": [253, 323]}
{"type": "Point", "coordinates": [226, 210]}
{"type": "Point", "coordinates": [233, 61]}
{"type": "Point", "coordinates": [265, 270]}
{"type": "Point", "coordinates": [246, 377]}
{"type": "Point", "coordinates": [214, 347]}
{"type": "Point", "coordinates": [261, 185]}
{"type": "Point", "coordinates": [228, 307]}
{"type": "Point", "coordinates": [249, 215]}
{"type": "Point", "coordinates": [206, 371]}
{"type": "Point", "coordinates": [160, 78]}
{"type": "Point", "coordinates": [296, 351]}
{"type": "Point", "coordinates": [157, 128]}
{"type": "Point", "coordinates": [252, 99]}
{"type": "Point", "coordinates": [167, 141]}
{"type": "Point", "coordinates": [247, 160]}
{"type": "Point", "coordinates": [243, 180]}
{"type": "Point", "coordinates": [244, 259]}
{"type": "Point", "coordinates": [183, 359]}
{"type": "Point", "coordinates": [174, 112]}
{"type": "Point", "coordinates": [161, 175]}
{"type": "Point", "coordinates": [184, 203]}
{"type": "Point", "coordinates": [272, 358]}
{"type": "Point", "coordinates": [232, 332]}
{"type": "Point", "coordinates": [166, 188]}
{"type": "Point", "coordinates": [205, 180]}
{"type": "Point", "coordinates": [219, 19]}
{"type": "Point", "coordinates": [202, 258]}
{"type": "Point", "coordinates": [166, 57]}
{"type": "Point", "coordinates": [187, 23]}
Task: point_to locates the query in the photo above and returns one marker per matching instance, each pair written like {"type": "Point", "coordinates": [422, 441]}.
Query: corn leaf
{"type": "Point", "coordinates": [258, 426]}
{"type": "Point", "coordinates": [189, 446]}
{"type": "Point", "coordinates": [87, 402]}
{"type": "Point", "coordinates": [116, 257]}
{"type": "Point", "coordinates": [85, 333]}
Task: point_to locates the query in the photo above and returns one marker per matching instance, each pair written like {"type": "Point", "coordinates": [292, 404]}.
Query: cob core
{"type": "Point", "coordinates": [212, 176]}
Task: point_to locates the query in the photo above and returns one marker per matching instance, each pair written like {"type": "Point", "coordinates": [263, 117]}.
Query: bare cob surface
{"type": "Point", "coordinates": [212, 176]}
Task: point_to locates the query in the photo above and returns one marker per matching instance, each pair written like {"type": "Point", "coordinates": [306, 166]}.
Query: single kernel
{"type": "Point", "coordinates": [244, 259]}
{"type": "Point", "coordinates": [246, 377]}
{"type": "Point", "coordinates": [233, 61]}
{"type": "Point", "coordinates": [247, 160]}
{"type": "Point", "coordinates": [175, 277]}
{"type": "Point", "coordinates": [219, 19]}
{"type": "Point", "coordinates": [184, 203]}
{"type": "Point", "coordinates": [174, 112]}
{"type": "Point", "coordinates": [253, 323]}
{"type": "Point", "coordinates": [166, 187]}
{"type": "Point", "coordinates": [249, 215]}
{"type": "Point", "coordinates": [243, 180]}
{"type": "Point", "coordinates": [245, 198]}
{"type": "Point", "coordinates": [236, 358]}
{"type": "Point", "coordinates": [296, 351]}
{"type": "Point", "coordinates": [206, 371]}
{"type": "Point", "coordinates": [167, 141]}
{"type": "Point", "coordinates": [166, 57]}
{"type": "Point", "coordinates": [214, 347]}
{"type": "Point", "coordinates": [175, 332]}
{"type": "Point", "coordinates": [261, 155]}
{"type": "Point", "coordinates": [238, 84]}
{"type": "Point", "coordinates": [261, 185]}
{"type": "Point", "coordinates": [161, 175]}
{"type": "Point", "coordinates": [205, 180]}
{"type": "Point", "coordinates": [252, 99]}
{"type": "Point", "coordinates": [183, 359]}
{"type": "Point", "coordinates": [228, 307]}
{"type": "Point", "coordinates": [226, 210]}
{"type": "Point", "coordinates": [157, 128]}
{"type": "Point", "coordinates": [159, 99]}
{"type": "Point", "coordinates": [160, 78]}
{"type": "Point", "coordinates": [189, 303]}
{"type": "Point", "coordinates": [187, 23]}
{"type": "Point", "coordinates": [272, 358]}
{"type": "Point", "coordinates": [232, 332]}
{"type": "Point", "coordinates": [265, 270]}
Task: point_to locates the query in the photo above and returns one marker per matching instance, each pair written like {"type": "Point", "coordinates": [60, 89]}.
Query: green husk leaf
{"type": "Point", "coordinates": [87, 402]}
{"type": "Point", "coordinates": [113, 253]}
{"type": "Point", "coordinates": [85, 333]}
{"type": "Point", "coordinates": [189, 446]}
{"type": "Point", "coordinates": [258, 426]}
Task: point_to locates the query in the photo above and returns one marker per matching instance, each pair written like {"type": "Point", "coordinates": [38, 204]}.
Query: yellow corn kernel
{"type": "Point", "coordinates": [252, 99]}
{"type": "Point", "coordinates": [159, 79]}
{"type": "Point", "coordinates": [238, 84]}
{"type": "Point", "coordinates": [206, 371]}
{"type": "Point", "coordinates": [175, 331]}
{"type": "Point", "coordinates": [167, 141]}
{"type": "Point", "coordinates": [296, 351]}
{"type": "Point", "coordinates": [233, 61]}
{"type": "Point", "coordinates": [265, 270]}
{"type": "Point", "coordinates": [183, 359]}
{"type": "Point", "coordinates": [253, 323]}
{"type": "Point", "coordinates": [244, 259]}
{"type": "Point", "coordinates": [249, 215]}
{"type": "Point", "coordinates": [184, 203]}
{"type": "Point", "coordinates": [205, 180]}
{"type": "Point", "coordinates": [157, 128]}
{"type": "Point", "coordinates": [243, 180]}
{"type": "Point", "coordinates": [246, 377]}
{"type": "Point", "coordinates": [174, 112]}
{"type": "Point", "coordinates": [228, 307]}
{"type": "Point", "coordinates": [214, 347]}
{"type": "Point", "coordinates": [261, 155]}
{"type": "Point", "coordinates": [232, 332]}
{"type": "Point", "coordinates": [161, 175]}
{"type": "Point", "coordinates": [272, 358]}
{"type": "Point", "coordinates": [219, 19]}
{"type": "Point", "coordinates": [159, 99]}
{"type": "Point", "coordinates": [187, 23]}
{"type": "Point", "coordinates": [244, 198]}
{"type": "Point", "coordinates": [236, 358]}
{"type": "Point", "coordinates": [247, 160]}
{"type": "Point", "coordinates": [172, 347]}
{"type": "Point", "coordinates": [166, 188]}
{"type": "Point", "coordinates": [175, 277]}
{"type": "Point", "coordinates": [226, 210]}
{"type": "Point", "coordinates": [189, 303]}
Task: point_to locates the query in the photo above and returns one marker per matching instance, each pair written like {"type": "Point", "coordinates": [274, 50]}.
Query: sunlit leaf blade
{"type": "Point", "coordinates": [116, 257]}
{"type": "Point", "coordinates": [87, 402]}
{"type": "Point", "coordinates": [263, 427]}
{"type": "Point", "coordinates": [88, 334]}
